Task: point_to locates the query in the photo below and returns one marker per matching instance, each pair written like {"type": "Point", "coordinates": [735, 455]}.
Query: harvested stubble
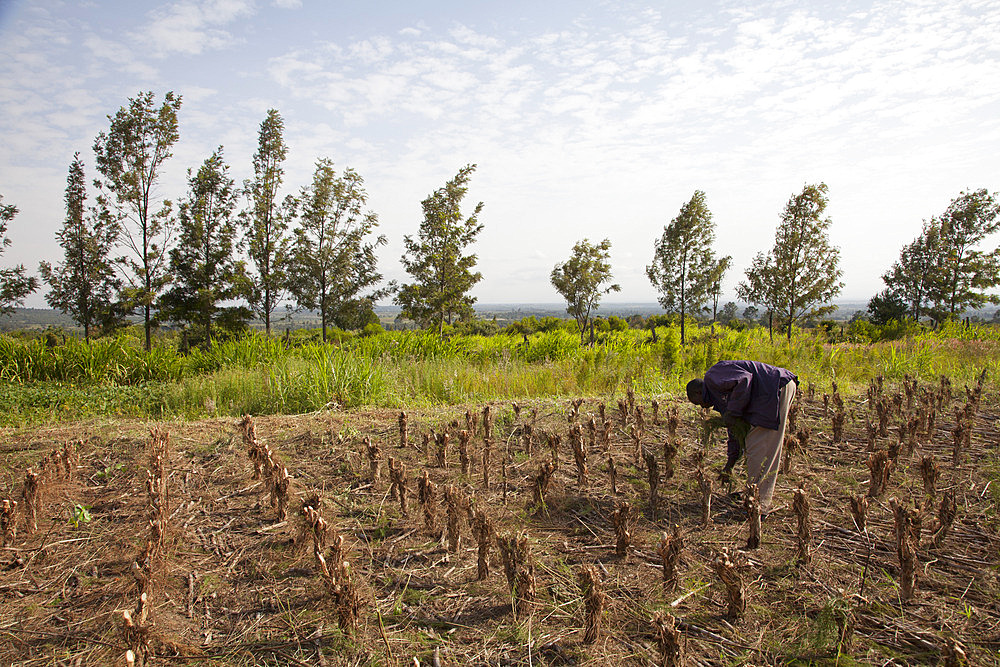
{"type": "Point", "coordinates": [554, 440]}
{"type": "Point", "coordinates": [593, 603]}
{"type": "Point", "coordinates": [670, 549]}
{"type": "Point", "coordinates": [373, 452]}
{"type": "Point", "coordinates": [580, 455]}
{"type": "Point", "coordinates": [485, 533]}
{"type": "Point", "coordinates": [8, 521]}
{"type": "Point", "coordinates": [404, 432]}
{"type": "Point", "coordinates": [906, 548]}
{"type": "Point", "coordinates": [752, 505]}
{"type": "Point", "coordinates": [669, 640]}
{"type": "Point", "coordinates": [879, 467]}
{"type": "Point", "coordinates": [427, 495]}
{"type": "Point", "coordinates": [397, 485]}
{"type": "Point", "coordinates": [929, 471]}
{"type": "Point", "coordinates": [800, 505]}
{"type": "Point", "coordinates": [621, 519]}
{"type": "Point", "coordinates": [859, 512]}
{"type": "Point", "coordinates": [520, 571]}
{"type": "Point", "coordinates": [441, 440]}
{"type": "Point", "coordinates": [458, 508]}
{"type": "Point", "coordinates": [670, 449]}
{"type": "Point", "coordinates": [947, 512]}
{"type": "Point", "coordinates": [732, 582]}
{"type": "Point", "coordinates": [542, 481]}
{"type": "Point", "coordinates": [463, 452]}
{"type": "Point", "coordinates": [653, 475]}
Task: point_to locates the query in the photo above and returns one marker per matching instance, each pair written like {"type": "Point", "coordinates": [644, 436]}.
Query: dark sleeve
{"type": "Point", "coordinates": [731, 382]}
{"type": "Point", "coordinates": [733, 449]}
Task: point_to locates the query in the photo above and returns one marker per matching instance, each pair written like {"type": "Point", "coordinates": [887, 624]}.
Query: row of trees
{"type": "Point", "coordinates": [795, 280]}
{"type": "Point", "coordinates": [944, 271]}
{"type": "Point", "coordinates": [208, 262]}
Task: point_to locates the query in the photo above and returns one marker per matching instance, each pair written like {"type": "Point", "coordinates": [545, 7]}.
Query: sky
{"type": "Point", "coordinates": [586, 119]}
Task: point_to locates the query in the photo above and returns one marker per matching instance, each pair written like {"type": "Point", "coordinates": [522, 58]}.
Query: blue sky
{"type": "Point", "coordinates": [587, 119]}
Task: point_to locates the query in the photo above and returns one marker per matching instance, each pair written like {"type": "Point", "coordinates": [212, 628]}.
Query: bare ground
{"type": "Point", "coordinates": [234, 587]}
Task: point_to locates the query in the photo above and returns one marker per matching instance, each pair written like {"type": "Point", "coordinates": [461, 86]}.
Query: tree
{"type": "Point", "coordinates": [15, 283]}
{"type": "Point", "coordinates": [684, 269]}
{"type": "Point", "coordinates": [963, 272]}
{"type": "Point", "coordinates": [885, 307]}
{"type": "Point", "coordinates": [129, 156]}
{"type": "Point", "coordinates": [442, 275]}
{"type": "Point", "coordinates": [85, 285]}
{"type": "Point", "coordinates": [580, 280]}
{"type": "Point", "coordinates": [729, 312]}
{"type": "Point", "coordinates": [719, 268]}
{"type": "Point", "coordinates": [266, 221]}
{"type": "Point", "coordinates": [204, 265]}
{"type": "Point", "coordinates": [801, 274]}
{"type": "Point", "coordinates": [910, 277]}
{"type": "Point", "coordinates": [333, 262]}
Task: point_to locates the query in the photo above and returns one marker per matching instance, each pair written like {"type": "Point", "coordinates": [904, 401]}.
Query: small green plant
{"type": "Point", "coordinates": [109, 471]}
{"type": "Point", "coordinates": [79, 514]}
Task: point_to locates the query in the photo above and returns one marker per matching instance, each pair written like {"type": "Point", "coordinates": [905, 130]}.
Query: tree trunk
{"type": "Point", "coordinates": [149, 342]}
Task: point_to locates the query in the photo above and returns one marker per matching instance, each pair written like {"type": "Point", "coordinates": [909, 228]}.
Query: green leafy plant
{"type": "Point", "coordinates": [79, 514]}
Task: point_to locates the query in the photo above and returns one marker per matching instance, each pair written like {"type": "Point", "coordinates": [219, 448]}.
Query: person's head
{"type": "Point", "coordinates": [696, 391]}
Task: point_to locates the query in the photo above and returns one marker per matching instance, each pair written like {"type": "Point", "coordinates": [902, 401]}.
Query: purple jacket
{"type": "Point", "coordinates": [748, 389]}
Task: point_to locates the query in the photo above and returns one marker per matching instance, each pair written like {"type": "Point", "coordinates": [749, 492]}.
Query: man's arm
{"type": "Point", "coordinates": [732, 383]}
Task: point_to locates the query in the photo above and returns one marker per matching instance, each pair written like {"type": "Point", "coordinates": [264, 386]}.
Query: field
{"type": "Point", "coordinates": [228, 581]}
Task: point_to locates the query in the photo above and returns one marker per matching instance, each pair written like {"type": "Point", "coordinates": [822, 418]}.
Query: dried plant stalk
{"type": "Point", "coordinates": [612, 474]}
{"type": "Point", "coordinates": [347, 599]}
{"type": "Point", "coordinates": [752, 505]}
{"type": "Point", "coordinates": [527, 439]}
{"type": "Point", "coordinates": [653, 476]}
{"type": "Point", "coordinates": [669, 640]}
{"type": "Point", "coordinates": [425, 445]}
{"type": "Point", "coordinates": [485, 533]}
{"type": "Point", "coordinates": [929, 471]}
{"type": "Point", "coordinates": [879, 466]}
{"type": "Point", "coordinates": [542, 481]}
{"type": "Point", "coordinates": [441, 440]}
{"type": "Point", "coordinates": [397, 485]}
{"type": "Point", "coordinates": [554, 441]}
{"type": "Point", "coordinates": [789, 448]}
{"type": "Point", "coordinates": [705, 485]}
{"type": "Point", "coordinates": [463, 452]}
{"type": "Point", "coordinates": [8, 521]}
{"type": "Point", "coordinates": [735, 590]}
{"type": "Point", "coordinates": [946, 517]}
{"type": "Point", "coordinates": [404, 434]}
{"type": "Point", "coordinates": [670, 449]}
{"type": "Point", "coordinates": [374, 454]}
{"type": "Point", "coordinates": [457, 503]}
{"type": "Point", "coordinates": [427, 495]}
{"type": "Point", "coordinates": [520, 571]}
{"type": "Point", "coordinates": [487, 423]}
{"type": "Point", "coordinates": [669, 550]}
{"type": "Point", "coordinates": [673, 421]}
{"type": "Point", "coordinates": [31, 496]}
{"type": "Point", "coordinates": [905, 550]}
{"type": "Point", "coordinates": [280, 484]}
{"type": "Point", "coordinates": [859, 512]}
{"type": "Point", "coordinates": [487, 454]}
{"type": "Point", "coordinates": [593, 602]}
{"type": "Point", "coordinates": [839, 416]}
{"type": "Point", "coordinates": [800, 505]}
{"type": "Point", "coordinates": [959, 436]}
{"type": "Point", "coordinates": [621, 519]}
{"type": "Point", "coordinates": [70, 457]}
{"type": "Point", "coordinates": [576, 439]}
{"type": "Point", "coordinates": [656, 412]}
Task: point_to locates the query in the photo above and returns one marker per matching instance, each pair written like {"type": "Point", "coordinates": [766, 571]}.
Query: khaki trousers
{"type": "Point", "coordinates": [763, 449]}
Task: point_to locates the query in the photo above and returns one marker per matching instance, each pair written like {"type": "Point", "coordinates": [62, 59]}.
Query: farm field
{"type": "Point", "coordinates": [228, 580]}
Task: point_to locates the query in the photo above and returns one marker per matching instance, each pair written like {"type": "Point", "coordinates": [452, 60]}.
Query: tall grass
{"type": "Point", "coordinates": [257, 374]}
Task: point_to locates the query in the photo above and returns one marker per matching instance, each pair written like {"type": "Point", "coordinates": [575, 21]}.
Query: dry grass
{"type": "Point", "coordinates": [233, 585]}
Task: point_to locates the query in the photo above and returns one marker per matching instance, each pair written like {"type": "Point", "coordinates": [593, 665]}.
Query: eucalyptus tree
{"type": "Point", "coordinates": [129, 158]}
{"type": "Point", "coordinates": [581, 280]}
{"type": "Point", "coordinates": [333, 266]}
{"type": "Point", "coordinates": [265, 222]}
{"type": "Point", "coordinates": [85, 285]}
{"type": "Point", "coordinates": [15, 283]}
{"type": "Point", "coordinates": [684, 269]}
{"type": "Point", "coordinates": [441, 274]}
{"type": "Point", "coordinates": [205, 269]}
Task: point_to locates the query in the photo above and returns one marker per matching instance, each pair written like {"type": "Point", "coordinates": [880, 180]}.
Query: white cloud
{"type": "Point", "coordinates": [287, 4]}
{"type": "Point", "coordinates": [192, 28]}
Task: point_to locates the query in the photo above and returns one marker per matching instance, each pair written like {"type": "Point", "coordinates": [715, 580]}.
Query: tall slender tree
{"type": "Point", "coordinates": [129, 157]}
{"type": "Point", "coordinates": [333, 258]}
{"type": "Point", "coordinates": [204, 266]}
{"type": "Point", "coordinates": [581, 280]}
{"type": "Point", "coordinates": [266, 221]}
{"type": "Point", "coordinates": [910, 278]}
{"type": "Point", "coordinates": [85, 285]}
{"type": "Point", "coordinates": [15, 283]}
{"type": "Point", "coordinates": [762, 288]}
{"type": "Point", "coordinates": [802, 273]}
{"type": "Point", "coordinates": [684, 269]}
{"type": "Point", "coordinates": [964, 273]}
{"type": "Point", "coordinates": [442, 275]}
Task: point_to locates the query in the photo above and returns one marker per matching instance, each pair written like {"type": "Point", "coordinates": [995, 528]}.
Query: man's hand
{"type": "Point", "coordinates": [730, 419]}
{"type": "Point", "coordinates": [726, 476]}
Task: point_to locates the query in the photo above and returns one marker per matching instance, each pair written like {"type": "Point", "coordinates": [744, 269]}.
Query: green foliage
{"type": "Point", "coordinates": [684, 269]}
{"type": "Point", "coordinates": [333, 261]}
{"type": "Point", "coordinates": [203, 263]}
{"type": "Point", "coordinates": [129, 157]}
{"type": "Point", "coordinates": [85, 285]}
{"type": "Point", "coordinates": [800, 275]}
{"type": "Point", "coordinates": [79, 514]}
{"type": "Point", "coordinates": [265, 222]}
{"type": "Point", "coordinates": [15, 283]}
{"type": "Point", "coordinates": [580, 280]}
{"type": "Point", "coordinates": [442, 275]}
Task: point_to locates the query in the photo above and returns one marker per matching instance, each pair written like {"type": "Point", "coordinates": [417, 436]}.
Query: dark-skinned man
{"type": "Point", "coordinates": [753, 399]}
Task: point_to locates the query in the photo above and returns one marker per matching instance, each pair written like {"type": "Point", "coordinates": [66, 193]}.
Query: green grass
{"type": "Point", "coordinates": [260, 375]}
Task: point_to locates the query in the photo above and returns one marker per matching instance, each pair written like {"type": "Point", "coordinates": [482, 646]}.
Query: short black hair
{"type": "Point", "coordinates": [696, 391]}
